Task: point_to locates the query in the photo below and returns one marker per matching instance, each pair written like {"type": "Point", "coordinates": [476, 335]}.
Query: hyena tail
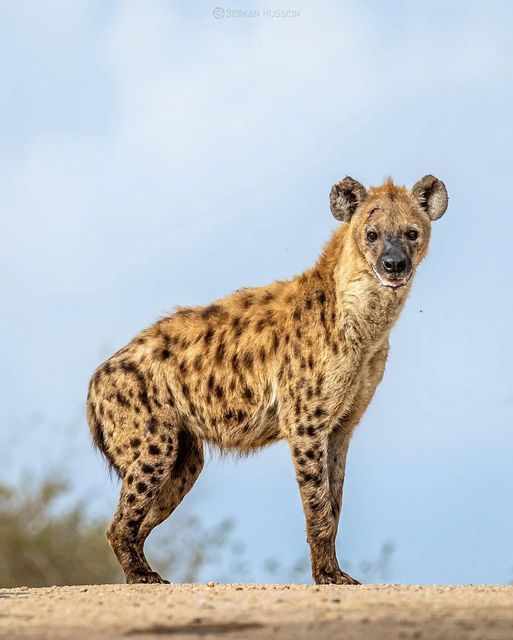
{"type": "Point", "coordinates": [96, 428]}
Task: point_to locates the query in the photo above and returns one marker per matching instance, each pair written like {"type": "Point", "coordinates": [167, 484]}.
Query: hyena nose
{"type": "Point", "coordinates": [394, 264]}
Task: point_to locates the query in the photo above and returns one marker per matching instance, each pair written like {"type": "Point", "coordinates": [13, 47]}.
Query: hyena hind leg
{"type": "Point", "coordinates": [152, 488]}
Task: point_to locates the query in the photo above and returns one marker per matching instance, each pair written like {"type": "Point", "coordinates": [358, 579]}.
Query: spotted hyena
{"type": "Point", "coordinates": [297, 360]}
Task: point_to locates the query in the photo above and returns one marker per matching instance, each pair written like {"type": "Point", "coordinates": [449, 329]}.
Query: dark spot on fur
{"type": "Point", "coordinates": [209, 334]}
{"type": "Point", "coordinates": [247, 301]}
{"type": "Point", "coordinates": [133, 524]}
{"type": "Point", "coordinates": [248, 360]}
{"type": "Point", "coordinates": [184, 311]}
{"type": "Point", "coordinates": [130, 498]}
{"type": "Point", "coordinates": [211, 310]}
{"type": "Point", "coordinates": [220, 351]}
{"type": "Point", "coordinates": [264, 321]}
{"type": "Point", "coordinates": [164, 354]}
{"type": "Point", "coordinates": [141, 487]}
{"type": "Point", "coordinates": [144, 399]}
{"type": "Point", "coordinates": [151, 425]}
{"type": "Point", "coordinates": [238, 326]}
{"type": "Point", "coordinates": [319, 412]}
{"type": "Point", "coordinates": [122, 400]}
{"type": "Point", "coordinates": [135, 443]}
{"type": "Point", "coordinates": [147, 468]}
{"type": "Point", "coordinates": [153, 450]}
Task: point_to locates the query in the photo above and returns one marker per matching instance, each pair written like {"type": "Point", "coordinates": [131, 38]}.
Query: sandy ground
{"type": "Point", "coordinates": [257, 612]}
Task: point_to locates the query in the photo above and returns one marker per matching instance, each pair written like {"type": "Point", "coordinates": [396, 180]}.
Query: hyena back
{"type": "Point", "coordinates": [297, 360]}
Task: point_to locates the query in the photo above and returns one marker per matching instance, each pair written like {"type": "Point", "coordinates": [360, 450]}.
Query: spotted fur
{"type": "Point", "coordinates": [297, 360]}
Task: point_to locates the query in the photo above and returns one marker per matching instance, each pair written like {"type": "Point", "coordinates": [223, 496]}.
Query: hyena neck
{"type": "Point", "coordinates": [365, 310]}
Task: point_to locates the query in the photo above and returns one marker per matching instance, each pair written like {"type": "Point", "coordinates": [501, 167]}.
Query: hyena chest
{"type": "Point", "coordinates": [351, 376]}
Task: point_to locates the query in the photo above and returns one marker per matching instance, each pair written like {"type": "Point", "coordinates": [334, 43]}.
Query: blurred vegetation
{"type": "Point", "coordinates": [41, 545]}
{"type": "Point", "coordinates": [44, 542]}
{"type": "Point", "coordinates": [378, 569]}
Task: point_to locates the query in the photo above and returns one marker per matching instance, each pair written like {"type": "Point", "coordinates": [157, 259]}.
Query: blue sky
{"type": "Point", "coordinates": [152, 155]}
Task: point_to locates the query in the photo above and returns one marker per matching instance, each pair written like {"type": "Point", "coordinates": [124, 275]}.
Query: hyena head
{"type": "Point", "coordinates": [390, 225]}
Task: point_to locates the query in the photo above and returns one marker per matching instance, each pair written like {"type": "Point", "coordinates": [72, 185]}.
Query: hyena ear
{"type": "Point", "coordinates": [345, 196]}
{"type": "Point", "coordinates": [431, 195]}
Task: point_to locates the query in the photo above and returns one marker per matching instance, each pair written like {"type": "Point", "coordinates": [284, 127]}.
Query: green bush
{"type": "Point", "coordinates": [44, 542]}
{"type": "Point", "coordinates": [42, 545]}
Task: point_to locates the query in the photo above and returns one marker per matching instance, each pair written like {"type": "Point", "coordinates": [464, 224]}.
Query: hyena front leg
{"type": "Point", "coordinates": [338, 445]}
{"type": "Point", "coordinates": [310, 456]}
{"type": "Point", "coordinates": [340, 436]}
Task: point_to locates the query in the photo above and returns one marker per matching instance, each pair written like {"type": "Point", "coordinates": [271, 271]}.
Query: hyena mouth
{"type": "Point", "coordinates": [392, 283]}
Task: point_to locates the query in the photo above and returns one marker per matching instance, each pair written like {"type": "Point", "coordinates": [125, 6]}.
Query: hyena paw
{"type": "Point", "coordinates": [145, 577]}
{"type": "Point", "coordinates": [334, 577]}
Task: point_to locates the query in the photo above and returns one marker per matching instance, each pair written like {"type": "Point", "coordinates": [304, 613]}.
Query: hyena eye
{"type": "Point", "coordinates": [412, 234]}
{"type": "Point", "coordinates": [372, 236]}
